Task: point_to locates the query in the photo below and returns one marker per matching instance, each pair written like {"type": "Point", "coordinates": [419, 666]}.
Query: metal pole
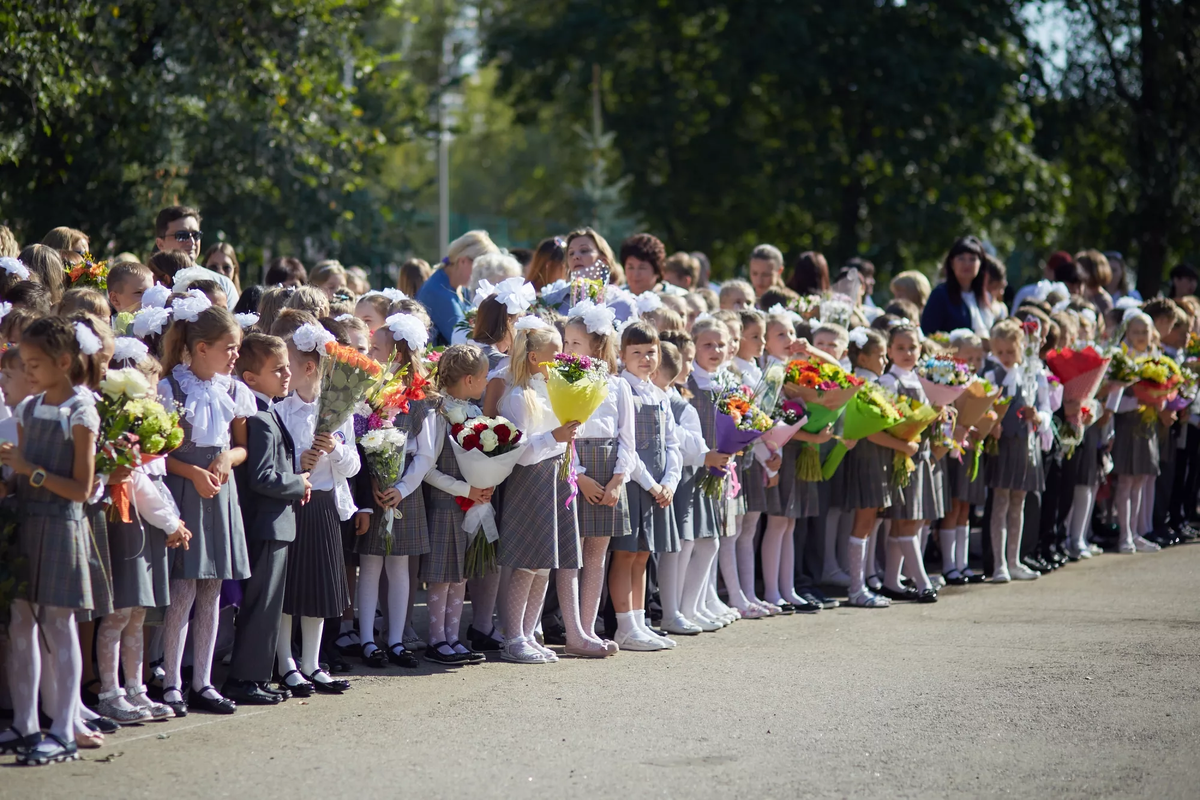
{"type": "Point", "coordinates": [444, 146]}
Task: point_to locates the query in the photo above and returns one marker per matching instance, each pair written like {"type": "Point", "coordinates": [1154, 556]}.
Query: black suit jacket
{"type": "Point", "coordinates": [268, 485]}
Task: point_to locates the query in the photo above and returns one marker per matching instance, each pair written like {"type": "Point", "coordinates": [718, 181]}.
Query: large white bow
{"type": "Point", "coordinates": [207, 405]}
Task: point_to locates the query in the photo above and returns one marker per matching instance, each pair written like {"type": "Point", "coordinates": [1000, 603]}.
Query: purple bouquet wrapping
{"type": "Point", "coordinates": [738, 424]}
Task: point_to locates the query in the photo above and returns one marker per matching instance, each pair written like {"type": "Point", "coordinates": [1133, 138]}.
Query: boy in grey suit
{"type": "Point", "coordinates": [270, 488]}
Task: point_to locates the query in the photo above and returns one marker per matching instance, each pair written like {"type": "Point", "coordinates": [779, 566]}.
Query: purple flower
{"type": "Point", "coordinates": [374, 422]}
{"type": "Point", "coordinates": [360, 425]}
{"type": "Point", "coordinates": [585, 362]}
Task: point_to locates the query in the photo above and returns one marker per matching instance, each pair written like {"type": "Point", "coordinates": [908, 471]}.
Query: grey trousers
{"type": "Point", "coordinates": [258, 618]}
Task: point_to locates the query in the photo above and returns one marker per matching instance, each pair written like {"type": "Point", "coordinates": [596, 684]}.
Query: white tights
{"type": "Point", "coordinates": [311, 629]}
{"type": "Point", "coordinates": [61, 633]}
{"type": "Point", "coordinates": [1079, 520]}
{"type": "Point", "coordinates": [779, 561]}
{"type": "Point", "coordinates": [695, 580]}
{"type": "Point", "coordinates": [737, 562]}
{"type": "Point", "coordinates": [445, 602]}
{"type": "Point", "coordinates": [120, 640]}
{"type": "Point", "coordinates": [591, 584]}
{"type": "Point", "coordinates": [1008, 518]}
{"type": "Point", "coordinates": [370, 569]}
{"type": "Point", "coordinates": [1129, 501]}
{"type": "Point", "coordinates": [672, 567]}
{"type": "Point", "coordinates": [523, 606]}
{"type": "Point", "coordinates": [206, 595]}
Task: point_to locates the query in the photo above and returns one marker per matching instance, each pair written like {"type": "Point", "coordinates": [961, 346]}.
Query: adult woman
{"type": "Point", "coordinates": [995, 282]}
{"type": "Point", "coordinates": [440, 294]}
{"type": "Point", "coordinates": [955, 303]}
{"type": "Point", "coordinates": [549, 263]}
{"type": "Point", "coordinates": [1099, 274]}
{"type": "Point", "coordinates": [1120, 286]}
{"type": "Point", "coordinates": [642, 257]}
{"type": "Point", "coordinates": [222, 259]}
{"type": "Point", "coordinates": [493, 268]}
{"type": "Point", "coordinates": [413, 274]}
{"type": "Point", "coordinates": [811, 274]}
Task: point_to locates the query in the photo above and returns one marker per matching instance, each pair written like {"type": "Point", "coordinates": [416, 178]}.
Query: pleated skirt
{"type": "Point", "coordinates": [99, 563]}
{"type": "Point", "coordinates": [316, 571]}
{"type": "Point", "coordinates": [140, 565]}
{"type": "Point", "coordinates": [1083, 467]}
{"type": "Point", "coordinates": [409, 528]}
{"type": "Point", "coordinates": [753, 477]}
{"type": "Point", "coordinates": [684, 503]}
{"type": "Point", "coordinates": [1135, 446]}
{"type": "Point", "coordinates": [537, 530]}
{"type": "Point", "coordinates": [599, 458]}
{"type": "Point", "coordinates": [957, 483]}
{"type": "Point", "coordinates": [1012, 467]}
{"type": "Point", "coordinates": [865, 477]}
{"type": "Point", "coordinates": [708, 513]}
{"type": "Point", "coordinates": [217, 549]}
{"type": "Point", "coordinates": [56, 560]}
{"type": "Point", "coordinates": [797, 499]}
{"type": "Point", "coordinates": [445, 562]}
{"type": "Point", "coordinates": [922, 498]}
{"type": "Point", "coordinates": [653, 527]}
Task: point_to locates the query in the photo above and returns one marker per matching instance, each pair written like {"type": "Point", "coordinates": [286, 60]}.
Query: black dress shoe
{"type": "Point", "coordinates": [473, 657]}
{"type": "Point", "coordinates": [402, 657]}
{"type": "Point", "coordinates": [927, 595]}
{"type": "Point", "coordinates": [808, 606]}
{"type": "Point", "coordinates": [907, 593]}
{"type": "Point", "coordinates": [328, 686]}
{"type": "Point", "coordinates": [221, 706]}
{"type": "Point", "coordinates": [786, 608]}
{"type": "Point", "coordinates": [178, 706]}
{"type": "Point", "coordinates": [105, 725]}
{"type": "Point", "coordinates": [249, 693]}
{"type": "Point", "coordinates": [482, 642]}
{"type": "Point", "coordinates": [283, 694]}
{"type": "Point", "coordinates": [553, 636]}
{"type": "Point", "coordinates": [301, 688]}
{"type": "Point", "coordinates": [451, 659]}
{"type": "Point", "coordinates": [955, 578]}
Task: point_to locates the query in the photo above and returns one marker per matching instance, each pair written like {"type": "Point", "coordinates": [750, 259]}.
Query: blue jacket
{"type": "Point", "coordinates": [942, 315]}
{"type": "Point", "coordinates": [446, 308]}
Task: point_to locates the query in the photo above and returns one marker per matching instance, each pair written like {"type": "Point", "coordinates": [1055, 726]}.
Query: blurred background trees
{"type": "Point", "coordinates": [860, 127]}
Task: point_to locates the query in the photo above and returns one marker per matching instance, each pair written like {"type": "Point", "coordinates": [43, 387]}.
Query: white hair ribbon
{"type": "Point", "coordinates": [407, 328]}
{"type": "Point", "coordinates": [126, 348]}
{"type": "Point", "coordinates": [88, 341]}
{"type": "Point", "coordinates": [312, 338]}
{"type": "Point", "coordinates": [530, 323]}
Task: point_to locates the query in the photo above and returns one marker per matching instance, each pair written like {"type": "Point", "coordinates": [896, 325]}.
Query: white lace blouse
{"type": "Point", "coordinates": [208, 406]}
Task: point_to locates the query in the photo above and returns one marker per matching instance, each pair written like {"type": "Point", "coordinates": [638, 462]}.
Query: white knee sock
{"type": "Point", "coordinates": [695, 582]}
{"type": "Point", "coordinates": [999, 528]}
{"type": "Point", "coordinates": [310, 643]}
{"type": "Point", "coordinates": [370, 569]}
{"type": "Point", "coordinates": [909, 547]}
{"type": "Point", "coordinates": [948, 539]}
{"type": "Point", "coordinates": [856, 549]}
{"type": "Point", "coordinates": [962, 546]}
{"type": "Point", "coordinates": [398, 597]}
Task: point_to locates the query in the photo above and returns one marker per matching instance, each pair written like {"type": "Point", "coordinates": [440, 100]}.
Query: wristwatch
{"type": "Point", "coordinates": [38, 477]}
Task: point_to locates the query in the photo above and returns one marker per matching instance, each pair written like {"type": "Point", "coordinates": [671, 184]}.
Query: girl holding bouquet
{"type": "Point", "coordinates": [919, 502]}
{"type": "Point", "coordinates": [315, 586]}
{"type": "Point", "coordinates": [605, 456]}
{"type": "Point", "coordinates": [960, 492]}
{"type": "Point", "coordinates": [391, 544]}
{"type": "Point", "coordinates": [651, 491]}
{"type": "Point", "coordinates": [538, 531]}
{"type": "Point", "coordinates": [1017, 468]}
{"type": "Point", "coordinates": [213, 419]}
{"type": "Point", "coordinates": [54, 463]}
{"type": "Point", "coordinates": [461, 378]}
{"type": "Point", "coordinates": [867, 472]}
{"type": "Point", "coordinates": [1135, 445]}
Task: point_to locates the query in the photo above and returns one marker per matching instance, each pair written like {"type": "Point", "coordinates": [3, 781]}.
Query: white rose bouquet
{"type": "Point", "coordinates": [384, 451]}
{"type": "Point", "coordinates": [487, 449]}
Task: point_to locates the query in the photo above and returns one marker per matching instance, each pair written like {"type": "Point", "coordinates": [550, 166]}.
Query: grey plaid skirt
{"type": "Point", "coordinates": [537, 531]}
{"type": "Point", "coordinates": [684, 503]}
{"type": "Point", "coordinates": [410, 530]}
{"type": "Point", "coordinates": [444, 563]}
{"type": "Point", "coordinates": [1135, 446]}
{"type": "Point", "coordinates": [599, 458]}
{"type": "Point", "coordinates": [922, 498]}
{"type": "Point", "coordinates": [99, 563]}
{"type": "Point", "coordinates": [653, 526]}
{"type": "Point", "coordinates": [1012, 468]}
{"type": "Point", "coordinates": [316, 571]}
{"type": "Point", "coordinates": [140, 566]}
{"type": "Point", "coordinates": [866, 477]}
{"type": "Point", "coordinates": [54, 538]}
{"type": "Point", "coordinates": [753, 476]}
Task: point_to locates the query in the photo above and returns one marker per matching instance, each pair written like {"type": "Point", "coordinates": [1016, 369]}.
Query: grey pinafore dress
{"type": "Point", "coordinates": [53, 531]}
{"type": "Point", "coordinates": [652, 526]}
{"type": "Point", "coordinates": [1135, 445]}
{"type": "Point", "coordinates": [598, 457]}
{"type": "Point", "coordinates": [1017, 463]}
{"type": "Point", "coordinates": [410, 528]}
{"type": "Point", "coordinates": [217, 550]}
{"type": "Point", "coordinates": [445, 562]}
{"type": "Point", "coordinates": [708, 515]}
{"type": "Point", "coordinates": [922, 498]}
{"type": "Point", "coordinates": [685, 492]}
{"type": "Point", "coordinates": [866, 471]}
{"type": "Point", "coordinates": [537, 531]}
{"type": "Point", "coordinates": [140, 560]}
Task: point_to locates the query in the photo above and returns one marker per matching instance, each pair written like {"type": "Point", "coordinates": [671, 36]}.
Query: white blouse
{"type": "Point", "coordinates": [84, 414]}
{"type": "Point", "coordinates": [896, 377]}
{"type": "Point", "coordinates": [156, 507]}
{"type": "Point", "coordinates": [613, 420]}
{"type": "Point", "coordinates": [692, 447]}
{"type": "Point", "coordinates": [750, 372]}
{"type": "Point", "coordinates": [1011, 385]}
{"type": "Point", "coordinates": [332, 470]}
{"type": "Point", "coordinates": [208, 405]}
{"type": "Point", "coordinates": [422, 452]}
{"type": "Point", "coordinates": [537, 427]}
{"type": "Point", "coordinates": [650, 394]}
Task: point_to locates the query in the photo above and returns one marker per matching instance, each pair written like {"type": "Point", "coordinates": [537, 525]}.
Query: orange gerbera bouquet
{"type": "Point", "coordinates": [348, 378]}
{"type": "Point", "coordinates": [89, 273]}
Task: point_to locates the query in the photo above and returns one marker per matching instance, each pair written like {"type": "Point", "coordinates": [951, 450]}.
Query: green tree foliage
{"type": "Point", "coordinates": [856, 127]}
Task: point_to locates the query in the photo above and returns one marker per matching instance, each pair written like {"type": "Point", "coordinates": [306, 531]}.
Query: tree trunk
{"type": "Point", "coordinates": [1155, 207]}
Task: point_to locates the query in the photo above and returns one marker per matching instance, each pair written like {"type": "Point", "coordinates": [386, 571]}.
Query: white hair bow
{"type": "Point", "coordinates": [246, 321]}
{"type": "Point", "coordinates": [781, 310]}
{"type": "Point", "coordinates": [14, 266]}
{"type": "Point", "coordinates": [647, 302]}
{"type": "Point", "coordinates": [1126, 303]}
{"type": "Point", "coordinates": [516, 294]}
{"type": "Point", "coordinates": [393, 295]}
{"type": "Point", "coordinates": [190, 307]}
{"type": "Point", "coordinates": [312, 338]}
{"type": "Point", "coordinates": [859, 337]}
{"type": "Point", "coordinates": [344, 317]}
{"type": "Point", "coordinates": [156, 296]}
{"type": "Point", "coordinates": [597, 319]}
{"type": "Point", "coordinates": [530, 323]}
{"type": "Point", "coordinates": [88, 341]}
{"type": "Point", "coordinates": [4, 309]}
{"type": "Point", "coordinates": [189, 275]}
{"type": "Point", "coordinates": [1135, 313]}
{"type": "Point", "coordinates": [407, 328]}
{"type": "Point", "coordinates": [483, 291]}
{"type": "Point", "coordinates": [127, 348]}
{"type": "Point", "coordinates": [959, 334]}
{"type": "Point", "coordinates": [149, 320]}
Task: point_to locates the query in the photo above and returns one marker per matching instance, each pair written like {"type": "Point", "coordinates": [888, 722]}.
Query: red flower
{"type": "Point", "coordinates": [502, 433]}
{"type": "Point", "coordinates": [471, 442]}
{"type": "Point", "coordinates": [479, 427]}
{"type": "Point", "coordinates": [456, 429]}
{"type": "Point", "coordinates": [516, 438]}
{"type": "Point", "coordinates": [464, 503]}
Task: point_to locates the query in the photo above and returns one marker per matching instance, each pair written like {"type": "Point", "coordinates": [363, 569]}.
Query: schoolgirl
{"type": "Point", "coordinates": [199, 351]}
{"type": "Point", "coordinates": [651, 491]}
{"type": "Point", "coordinates": [867, 472]}
{"type": "Point", "coordinates": [140, 572]}
{"type": "Point", "coordinates": [959, 492]}
{"type": "Point", "coordinates": [919, 502]}
{"type": "Point", "coordinates": [538, 532]}
{"type": "Point", "coordinates": [53, 462]}
{"type": "Point", "coordinates": [461, 378]}
{"type": "Point", "coordinates": [315, 587]}
{"type": "Point", "coordinates": [392, 544]}
{"type": "Point", "coordinates": [499, 307]}
{"type": "Point", "coordinates": [605, 457]}
{"type": "Point", "coordinates": [1135, 446]}
{"type": "Point", "coordinates": [1017, 467]}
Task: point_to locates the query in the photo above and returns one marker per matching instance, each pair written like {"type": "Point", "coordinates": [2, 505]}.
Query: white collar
{"type": "Point", "coordinates": [208, 406]}
{"type": "Point", "coordinates": [905, 377]}
{"type": "Point", "coordinates": [704, 379]}
{"type": "Point", "coordinates": [644, 389]}
{"type": "Point", "coordinates": [270, 401]}
{"type": "Point", "coordinates": [866, 374]}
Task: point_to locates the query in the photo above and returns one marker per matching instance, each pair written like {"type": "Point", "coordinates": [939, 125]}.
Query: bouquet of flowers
{"type": "Point", "coordinates": [976, 401]}
{"type": "Point", "coordinates": [1191, 351]}
{"type": "Point", "coordinates": [826, 390]}
{"type": "Point", "coordinates": [916, 418]}
{"type": "Point", "coordinates": [577, 385]}
{"type": "Point", "coordinates": [944, 436]}
{"type": "Point", "coordinates": [487, 449]}
{"type": "Point", "coordinates": [837, 309]}
{"type": "Point", "coordinates": [1070, 432]}
{"type": "Point", "coordinates": [806, 305]}
{"type": "Point", "coordinates": [789, 416]}
{"type": "Point", "coordinates": [389, 396]}
{"type": "Point", "coordinates": [1158, 380]}
{"type": "Point", "coordinates": [384, 449]}
{"type": "Point", "coordinates": [89, 272]}
{"type": "Point", "coordinates": [1121, 367]}
{"type": "Point", "coordinates": [135, 429]}
{"type": "Point", "coordinates": [739, 423]}
{"type": "Point", "coordinates": [346, 382]}
{"type": "Point", "coordinates": [1081, 371]}
{"type": "Point", "coordinates": [872, 410]}
{"type": "Point", "coordinates": [944, 378]}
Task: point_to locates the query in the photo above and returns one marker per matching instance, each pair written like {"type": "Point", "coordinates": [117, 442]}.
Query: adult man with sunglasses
{"type": "Point", "coordinates": [178, 228]}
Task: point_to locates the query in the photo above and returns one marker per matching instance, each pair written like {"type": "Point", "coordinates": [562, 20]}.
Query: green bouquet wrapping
{"type": "Point", "coordinates": [871, 411]}
{"type": "Point", "coordinates": [825, 389]}
{"type": "Point", "coordinates": [917, 417]}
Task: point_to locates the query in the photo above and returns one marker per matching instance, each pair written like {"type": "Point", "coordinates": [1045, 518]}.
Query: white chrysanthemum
{"type": "Point", "coordinates": [372, 441]}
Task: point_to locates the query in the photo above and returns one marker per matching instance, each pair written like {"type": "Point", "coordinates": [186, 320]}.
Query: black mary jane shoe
{"type": "Point", "coordinates": [103, 725]}
{"type": "Point", "coordinates": [973, 577]}
{"type": "Point", "coordinates": [435, 655]}
{"type": "Point", "coordinates": [222, 705]}
{"type": "Point", "coordinates": [282, 692]}
{"type": "Point", "coordinates": [483, 642]}
{"type": "Point", "coordinates": [927, 595]}
{"type": "Point", "coordinates": [955, 578]}
{"type": "Point", "coordinates": [373, 656]}
{"type": "Point", "coordinates": [471, 656]}
{"type": "Point", "coordinates": [303, 688]}
{"type": "Point", "coordinates": [907, 593]}
{"type": "Point", "coordinates": [249, 693]}
{"type": "Point", "coordinates": [38, 756]}
{"type": "Point", "coordinates": [786, 609]}
{"type": "Point", "coordinates": [402, 657]}
{"type": "Point", "coordinates": [19, 744]}
{"type": "Point", "coordinates": [180, 706]}
{"type": "Point", "coordinates": [330, 686]}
